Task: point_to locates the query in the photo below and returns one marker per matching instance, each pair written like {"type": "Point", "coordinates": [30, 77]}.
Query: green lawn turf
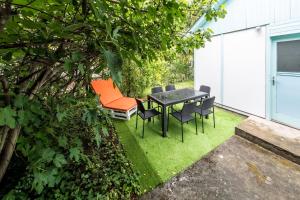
{"type": "Point", "coordinates": [157, 159]}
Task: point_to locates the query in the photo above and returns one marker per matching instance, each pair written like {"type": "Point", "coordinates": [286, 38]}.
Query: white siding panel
{"type": "Point", "coordinates": [235, 18]}
{"type": "Point", "coordinates": [208, 67]}
{"type": "Point", "coordinates": [282, 10]}
{"type": "Point", "coordinates": [244, 71]}
{"type": "Point", "coordinates": [295, 9]}
{"type": "Point", "coordinates": [258, 12]}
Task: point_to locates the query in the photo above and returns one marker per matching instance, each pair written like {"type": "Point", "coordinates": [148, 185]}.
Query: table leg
{"type": "Point", "coordinates": [164, 120]}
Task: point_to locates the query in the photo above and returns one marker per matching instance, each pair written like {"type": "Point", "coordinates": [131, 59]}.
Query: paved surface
{"type": "Point", "coordinates": [279, 135]}
{"type": "Point", "coordinates": [238, 170]}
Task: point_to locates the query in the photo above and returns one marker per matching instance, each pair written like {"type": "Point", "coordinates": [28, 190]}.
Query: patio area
{"type": "Point", "coordinates": [237, 169]}
{"type": "Point", "coordinates": [158, 159]}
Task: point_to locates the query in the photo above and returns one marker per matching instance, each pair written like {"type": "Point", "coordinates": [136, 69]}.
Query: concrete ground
{"type": "Point", "coordinates": [237, 169]}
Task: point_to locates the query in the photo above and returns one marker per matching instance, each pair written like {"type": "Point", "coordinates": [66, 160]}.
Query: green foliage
{"type": "Point", "coordinates": [67, 159]}
{"type": "Point", "coordinates": [49, 50]}
{"type": "Point", "coordinates": [167, 69]}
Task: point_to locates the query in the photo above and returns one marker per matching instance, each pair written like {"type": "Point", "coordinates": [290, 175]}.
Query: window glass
{"type": "Point", "coordinates": [288, 56]}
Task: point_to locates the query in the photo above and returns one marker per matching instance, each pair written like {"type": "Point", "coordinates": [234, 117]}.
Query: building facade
{"type": "Point", "coordinates": [253, 60]}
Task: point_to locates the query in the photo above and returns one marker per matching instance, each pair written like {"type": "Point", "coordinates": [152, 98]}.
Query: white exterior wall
{"type": "Point", "coordinates": [244, 71]}
{"type": "Point", "coordinates": [208, 67]}
{"type": "Point", "coordinates": [244, 14]}
{"type": "Point", "coordinates": [233, 65]}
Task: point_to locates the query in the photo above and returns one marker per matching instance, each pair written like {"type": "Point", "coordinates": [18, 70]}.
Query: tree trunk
{"type": "Point", "coordinates": [12, 135]}
{"type": "Point", "coordinates": [8, 150]}
{"type": "Point", "coordinates": [3, 132]}
{"type": "Point", "coordinates": [5, 10]}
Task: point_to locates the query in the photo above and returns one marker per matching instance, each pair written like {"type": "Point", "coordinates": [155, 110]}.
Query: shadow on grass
{"type": "Point", "coordinates": [148, 175]}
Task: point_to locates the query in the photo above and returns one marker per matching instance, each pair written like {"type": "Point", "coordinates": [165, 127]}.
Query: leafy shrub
{"type": "Point", "coordinates": [73, 153]}
{"type": "Point", "coordinates": [173, 68]}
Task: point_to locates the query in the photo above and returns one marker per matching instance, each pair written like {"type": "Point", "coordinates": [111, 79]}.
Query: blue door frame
{"type": "Point", "coordinates": [285, 88]}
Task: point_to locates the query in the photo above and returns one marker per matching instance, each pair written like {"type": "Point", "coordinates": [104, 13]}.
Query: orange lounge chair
{"type": "Point", "coordinates": [112, 99]}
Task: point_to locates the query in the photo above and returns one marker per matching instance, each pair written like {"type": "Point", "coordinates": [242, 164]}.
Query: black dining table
{"type": "Point", "coordinates": [169, 98]}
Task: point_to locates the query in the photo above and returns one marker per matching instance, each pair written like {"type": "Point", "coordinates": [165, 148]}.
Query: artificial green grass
{"type": "Point", "coordinates": [148, 176]}
{"type": "Point", "coordinates": [157, 159]}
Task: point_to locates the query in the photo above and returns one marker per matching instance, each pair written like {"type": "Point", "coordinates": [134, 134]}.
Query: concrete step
{"type": "Point", "coordinates": [280, 139]}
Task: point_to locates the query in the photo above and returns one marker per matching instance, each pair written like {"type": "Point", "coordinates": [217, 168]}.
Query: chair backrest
{"type": "Point", "coordinates": [140, 105]}
{"type": "Point", "coordinates": [156, 90]}
{"type": "Point", "coordinates": [188, 108]}
{"type": "Point", "coordinates": [204, 88]}
{"type": "Point", "coordinates": [107, 90]}
{"type": "Point", "coordinates": [170, 87]}
{"type": "Point", "coordinates": [208, 103]}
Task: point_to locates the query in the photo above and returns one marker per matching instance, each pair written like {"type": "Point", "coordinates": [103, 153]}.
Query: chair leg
{"type": "Point", "coordinates": [143, 128]}
{"type": "Point", "coordinates": [196, 123]}
{"type": "Point", "coordinates": [182, 132]}
{"type": "Point", "coordinates": [136, 120]}
{"type": "Point", "coordinates": [214, 119]}
{"type": "Point", "coordinates": [168, 120]}
{"type": "Point", "coordinates": [202, 125]}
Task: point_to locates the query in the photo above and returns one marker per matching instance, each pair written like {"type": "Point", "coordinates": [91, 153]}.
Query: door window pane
{"type": "Point", "coordinates": [288, 56]}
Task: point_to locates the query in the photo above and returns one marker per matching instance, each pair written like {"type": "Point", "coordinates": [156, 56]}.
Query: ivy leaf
{"type": "Point", "coordinates": [75, 153]}
{"type": "Point", "coordinates": [60, 116]}
{"type": "Point", "coordinates": [104, 131]}
{"type": "Point", "coordinates": [62, 141]}
{"type": "Point", "coordinates": [7, 117]}
{"type": "Point", "coordinates": [68, 65]}
{"type": "Point", "coordinates": [19, 101]}
{"type": "Point", "coordinates": [23, 117]}
{"type": "Point", "coordinates": [59, 160]}
{"type": "Point", "coordinates": [52, 176]}
{"type": "Point", "coordinates": [48, 155]}
{"type": "Point", "coordinates": [7, 56]}
{"type": "Point", "coordinates": [76, 56]}
{"type": "Point", "coordinates": [81, 68]}
{"type": "Point", "coordinates": [39, 182]}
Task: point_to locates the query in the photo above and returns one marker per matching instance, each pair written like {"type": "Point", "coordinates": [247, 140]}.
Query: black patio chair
{"type": "Point", "coordinates": [185, 115]}
{"type": "Point", "coordinates": [170, 87]}
{"type": "Point", "coordinates": [204, 88]}
{"type": "Point", "coordinates": [144, 114]}
{"type": "Point", "coordinates": [205, 109]}
{"type": "Point", "coordinates": [156, 90]}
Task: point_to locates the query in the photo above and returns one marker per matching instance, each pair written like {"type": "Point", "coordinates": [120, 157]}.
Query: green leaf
{"type": "Point", "coordinates": [81, 68]}
{"type": "Point", "coordinates": [60, 116]}
{"type": "Point", "coordinates": [116, 32]}
{"type": "Point", "coordinates": [20, 100]}
{"type": "Point", "coordinates": [22, 119]}
{"type": "Point", "coordinates": [7, 56]}
{"type": "Point", "coordinates": [48, 155]}
{"type": "Point", "coordinates": [7, 117]}
{"type": "Point", "coordinates": [114, 63]}
{"type": "Point", "coordinates": [75, 153]}
{"type": "Point", "coordinates": [59, 160]}
{"type": "Point", "coordinates": [39, 182]}
{"type": "Point", "coordinates": [76, 56]}
{"type": "Point", "coordinates": [68, 65]}
{"type": "Point", "coordinates": [105, 131]}
{"type": "Point", "coordinates": [62, 141]}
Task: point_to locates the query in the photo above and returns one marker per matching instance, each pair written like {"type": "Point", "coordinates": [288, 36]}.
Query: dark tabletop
{"type": "Point", "coordinates": [176, 96]}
